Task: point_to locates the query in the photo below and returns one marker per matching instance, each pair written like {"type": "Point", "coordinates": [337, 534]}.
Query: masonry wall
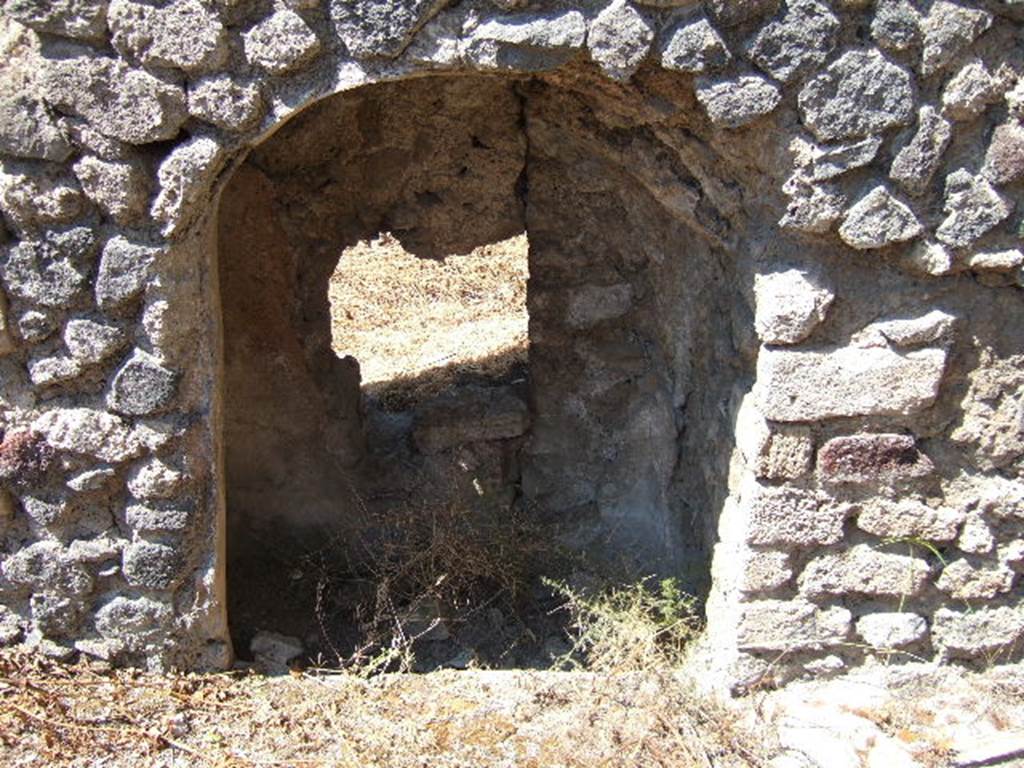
{"type": "Point", "coordinates": [848, 173]}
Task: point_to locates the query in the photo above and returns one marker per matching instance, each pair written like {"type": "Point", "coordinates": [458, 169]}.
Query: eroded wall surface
{"type": "Point", "coordinates": [834, 200]}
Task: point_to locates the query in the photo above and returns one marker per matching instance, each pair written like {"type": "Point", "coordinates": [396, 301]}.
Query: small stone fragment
{"type": "Point", "coordinates": [765, 571]}
{"type": "Point", "coordinates": [948, 29]}
{"type": "Point", "coordinates": [822, 163]}
{"type": "Point", "coordinates": [969, 92]}
{"type": "Point", "coordinates": [619, 39]}
{"type": "Point", "coordinates": [155, 480]}
{"type": "Point", "coordinates": [863, 570]}
{"type": "Point", "coordinates": [884, 631]}
{"type": "Point", "coordinates": [53, 370]}
{"type": "Point", "coordinates": [813, 206]}
{"type": "Point", "coordinates": [912, 332]}
{"type": "Point", "coordinates": [148, 519]}
{"type": "Point", "coordinates": [793, 517]}
{"type": "Point", "coordinates": [120, 102]}
{"type": "Point", "coordinates": [790, 625]}
{"type": "Point", "coordinates": [976, 536]}
{"type": "Point", "coordinates": [35, 327]}
{"type": "Point", "coordinates": [52, 272]}
{"type": "Point", "coordinates": [797, 385]}
{"type": "Point", "coordinates": [732, 103]}
{"type": "Point", "coordinates": [973, 208]}
{"type": "Point", "coordinates": [693, 45]}
{"type": "Point", "coordinates": [802, 38]}
{"type": "Point", "coordinates": [786, 455]}
{"type": "Point", "coordinates": [964, 580]}
{"type": "Point", "coordinates": [997, 261]}
{"type": "Point", "coordinates": [142, 386]}
{"type": "Point", "coordinates": [896, 24]}
{"type": "Point", "coordinates": [99, 434]}
{"type": "Point", "coordinates": [979, 632]}
{"type": "Point", "coordinates": [225, 102]}
{"type": "Point", "coordinates": [527, 42]}
{"type": "Point", "coordinates": [27, 130]}
{"type": "Point", "coordinates": [186, 175]}
{"type": "Point", "coordinates": [35, 197]}
{"type": "Point", "coordinates": [80, 19]}
{"type": "Point", "coordinates": [789, 306]}
{"type": "Point", "coordinates": [908, 518]}
{"type": "Point", "coordinates": [383, 28]}
{"type": "Point", "coordinates": [915, 164]}
{"type": "Point", "coordinates": [183, 34]}
{"type": "Point", "coordinates": [151, 566]}
{"type": "Point", "coordinates": [124, 269]}
{"type": "Point", "coordinates": [281, 43]}
{"type": "Point", "coordinates": [872, 458]}
{"type": "Point", "coordinates": [859, 94]}
{"type": "Point", "coordinates": [928, 258]}
{"type": "Point", "coordinates": [1004, 159]}
{"type": "Point", "coordinates": [120, 188]}
{"type": "Point", "coordinates": [92, 480]}
{"type": "Point", "coordinates": [90, 342]}
{"type": "Point", "coordinates": [879, 220]}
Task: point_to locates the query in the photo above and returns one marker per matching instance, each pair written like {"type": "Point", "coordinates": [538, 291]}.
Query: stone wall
{"type": "Point", "coordinates": [791, 229]}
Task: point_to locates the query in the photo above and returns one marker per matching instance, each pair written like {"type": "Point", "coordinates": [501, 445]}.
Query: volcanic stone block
{"type": "Point", "coordinates": [43, 566]}
{"type": "Point", "coordinates": [908, 518]}
{"type": "Point", "coordinates": [863, 570]}
{"type": "Point", "coordinates": [281, 43]}
{"type": "Point", "coordinates": [783, 516]}
{"type": "Point", "coordinates": [892, 630]}
{"type": "Point", "coordinates": [380, 27]}
{"type": "Point", "coordinates": [789, 306]}
{"type": "Point", "coordinates": [186, 176]}
{"type": "Point", "coordinates": [27, 130]}
{"type": "Point", "coordinates": [151, 565]}
{"type": "Point", "coordinates": [916, 163]}
{"type": "Point", "coordinates": [527, 42]}
{"type": "Point", "coordinates": [81, 19]}
{"type": "Point", "coordinates": [619, 39]}
{"type": "Point", "coordinates": [225, 102]}
{"type": "Point", "coordinates": [142, 386]}
{"type": "Point", "coordinates": [25, 458]}
{"type": "Point", "coordinates": [795, 385]}
{"type": "Point", "coordinates": [973, 207]}
{"type": "Point", "coordinates": [37, 196]}
{"type": "Point", "coordinates": [1004, 159]}
{"type": "Point", "coordinates": [765, 571]}
{"type": "Point", "coordinates": [735, 102]}
{"type": "Point", "coordinates": [803, 37]}
{"type": "Point", "coordinates": [120, 188]}
{"type": "Point", "coordinates": [879, 220]}
{"type": "Point", "coordinates": [872, 458]}
{"type": "Point", "coordinates": [183, 34]}
{"type": "Point", "coordinates": [89, 432]}
{"type": "Point", "coordinates": [967, 579]}
{"type": "Point", "coordinates": [124, 269]}
{"type": "Point", "coordinates": [790, 625]}
{"type": "Point", "coordinates": [982, 631]}
{"type": "Point", "coordinates": [693, 45]}
{"type": "Point", "coordinates": [948, 29]}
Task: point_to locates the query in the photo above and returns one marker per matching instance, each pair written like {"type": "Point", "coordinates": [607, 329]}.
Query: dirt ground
{"type": "Point", "coordinates": [425, 322]}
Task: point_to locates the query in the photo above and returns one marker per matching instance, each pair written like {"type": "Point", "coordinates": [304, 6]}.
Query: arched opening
{"type": "Point", "coordinates": [610, 446]}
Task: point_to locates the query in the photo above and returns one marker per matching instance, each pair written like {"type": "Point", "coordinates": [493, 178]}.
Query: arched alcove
{"type": "Point", "coordinates": [615, 442]}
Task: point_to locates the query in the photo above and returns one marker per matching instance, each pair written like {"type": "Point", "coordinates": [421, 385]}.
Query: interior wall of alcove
{"type": "Point", "coordinates": [632, 356]}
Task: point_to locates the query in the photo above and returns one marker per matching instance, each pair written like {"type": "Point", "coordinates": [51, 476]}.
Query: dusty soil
{"type": "Point", "coordinates": [416, 325]}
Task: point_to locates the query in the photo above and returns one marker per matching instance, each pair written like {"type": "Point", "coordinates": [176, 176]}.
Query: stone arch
{"type": "Point", "coordinates": [827, 149]}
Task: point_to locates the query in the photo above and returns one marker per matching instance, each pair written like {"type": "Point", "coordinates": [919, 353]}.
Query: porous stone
{"type": "Point", "coordinates": [735, 102]}
{"type": "Point", "coordinates": [28, 130]}
{"type": "Point", "coordinates": [879, 220]}
{"type": "Point", "coordinates": [142, 386]}
{"type": "Point", "coordinates": [790, 625]}
{"type": "Point", "coordinates": [789, 306]}
{"type": "Point", "coordinates": [132, 619]}
{"type": "Point", "coordinates": [48, 371]}
{"type": "Point", "coordinates": [225, 102]}
{"type": "Point", "coordinates": [119, 188]}
{"type": "Point", "coordinates": [155, 479]}
{"type": "Point", "coordinates": [813, 206]}
{"type": "Point", "coordinates": [35, 197]}
{"type": "Point", "coordinates": [883, 631]}
{"type": "Point", "coordinates": [150, 565]}
{"type": "Point", "coordinates": [896, 24]}
{"type": "Point", "coordinates": [89, 432]}
{"type": "Point", "coordinates": [859, 94]}
{"type": "Point", "coordinates": [619, 39]}
{"type": "Point", "coordinates": [51, 272]}
{"type": "Point", "coordinates": [997, 261]}
{"type": "Point", "coordinates": [979, 632]}
{"type": "Point", "coordinates": [870, 458]}
{"type": "Point", "coordinates": [973, 207]}
{"type": "Point", "coordinates": [928, 258]}
{"type": "Point", "coordinates": [976, 536]}
{"type": "Point", "coordinates": [765, 571]}
{"type": "Point", "coordinates": [731, 13]}
{"type": "Point", "coordinates": [43, 512]}
{"type": "Point", "coordinates": [124, 268]}
{"type": "Point", "coordinates": [821, 163]}
{"type": "Point", "coordinates": [594, 304]}
{"type": "Point", "coordinates": [43, 566]}
{"type": "Point", "coordinates": [948, 29]}
{"type": "Point", "coordinates": [121, 102]}
{"type": "Point", "coordinates": [908, 518]}
{"type": "Point", "coordinates": [90, 342]}
{"type": "Point", "coordinates": [786, 455]}
{"type": "Point", "coordinates": [25, 458]}
{"type": "Point", "coordinates": [802, 38]}
{"type": "Point", "coordinates": [797, 385]}
{"type": "Point", "coordinates": [912, 331]}
{"type": "Point", "coordinates": [281, 43]}
{"type": "Point", "coordinates": [791, 517]}
{"type": "Point", "coordinates": [149, 519]}
{"type": "Point", "coordinates": [863, 570]}
{"type": "Point", "coordinates": [963, 579]}
{"type": "Point", "coordinates": [185, 179]}
{"type": "Point", "coordinates": [55, 615]}
{"type": "Point", "coordinates": [93, 480]}
{"type": "Point", "coordinates": [80, 19]}
{"type": "Point", "coordinates": [693, 45]}
{"type": "Point", "coordinates": [185, 34]}
{"type": "Point", "coordinates": [915, 164]}
{"type": "Point", "coordinates": [527, 42]}
{"type": "Point", "coordinates": [1004, 158]}
{"type": "Point", "coordinates": [371, 28]}
{"type": "Point", "coordinates": [969, 92]}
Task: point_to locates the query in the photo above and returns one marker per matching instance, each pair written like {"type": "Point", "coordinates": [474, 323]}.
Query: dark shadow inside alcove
{"type": "Point", "coordinates": [609, 446]}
